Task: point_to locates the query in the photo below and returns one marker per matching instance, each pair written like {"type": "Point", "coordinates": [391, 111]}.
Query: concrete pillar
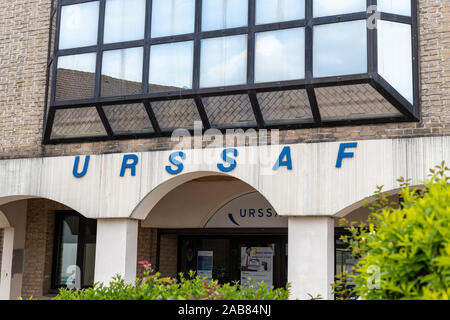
{"type": "Point", "coordinates": [116, 250]}
{"type": "Point", "coordinates": [6, 267]}
{"type": "Point", "coordinates": [16, 214]}
{"type": "Point", "coordinates": [311, 257]}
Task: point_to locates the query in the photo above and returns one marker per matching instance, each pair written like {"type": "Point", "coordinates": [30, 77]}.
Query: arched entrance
{"type": "Point", "coordinates": [44, 245]}
{"type": "Point", "coordinates": [358, 213]}
{"type": "Point", "coordinates": [220, 227]}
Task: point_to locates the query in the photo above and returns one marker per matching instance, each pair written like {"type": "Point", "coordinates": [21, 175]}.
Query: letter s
{"type": "Point", "coordinates": [231, 161]}
{"type": "Point", "coordinates": [176, 162]}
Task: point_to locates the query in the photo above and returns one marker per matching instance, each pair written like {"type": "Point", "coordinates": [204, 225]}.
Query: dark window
{"type": "Point", "coordinates": [281, 64]}
{"type": "Point", "coordinates": [228, 253]}
{"type": "Point", "coordinates": [74, 250]}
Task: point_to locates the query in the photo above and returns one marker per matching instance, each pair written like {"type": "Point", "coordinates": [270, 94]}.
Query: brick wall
{"type": "Point", "coordinates": [24, 37]}
{"type": "Point", "coordinates": [147, 246]}
{"type": "Point", "coordinates": [39, 247]}
{"type": "Point", "coordinates": [147, 250]}
{"type": "Point", "coordinates": [38, 260]}
{"type": "Point", "coordinates": [168, 255]}
{"type": "Point", "coordinates": [49, 241]}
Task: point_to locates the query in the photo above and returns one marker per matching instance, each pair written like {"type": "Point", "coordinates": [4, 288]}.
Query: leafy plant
{"type": "Point", "coordinates": [343, 289]}
{"type": "Point", "coordinates": [154, 287]}
{"type": "Point", "coordinates": [403, 249]}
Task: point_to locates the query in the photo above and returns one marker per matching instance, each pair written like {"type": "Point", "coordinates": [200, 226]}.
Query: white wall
{"type": "Point", "coordinates": [311, 257]}
{"type": "Point", "coordinates": [192, 204]}
{"type": "Point", "coordinates": [314, 186]}
{"type": "Point", "coordinates": [16, 213]}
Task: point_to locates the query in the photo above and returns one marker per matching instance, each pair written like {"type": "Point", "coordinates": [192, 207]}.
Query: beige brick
{"type": "Point", "coordinates": [23, 55]}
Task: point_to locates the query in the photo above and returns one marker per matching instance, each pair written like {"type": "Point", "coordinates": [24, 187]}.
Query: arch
{"type": "Point", "coordinates": [8, 199]}
{"type": "Point", "coordinates": [4, 223]}
{"type": "Point", "coordinates": [148, 203]}
{"type": "Point", "coordinates": [223, 203]}
{"type": "Point", "coordinates": [359, 204]}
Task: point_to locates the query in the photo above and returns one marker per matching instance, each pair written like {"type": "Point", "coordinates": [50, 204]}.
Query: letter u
{"type": "Point", "coordinates": [76, 164]}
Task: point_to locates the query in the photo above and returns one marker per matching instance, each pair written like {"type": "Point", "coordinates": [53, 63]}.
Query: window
{"type": "Point", "coordinates": [400, 7]}
{"type": "Point", "coordinates": [171, 66]}
{"type": "Point", "coordinates": [125, 69]}
{"type": "Point", "coordinates": [76, 76]}
{"type": "Point", "coordinates": [74, 250]}
{"type": "Point", "coordinates": [124, 20]}
{"type": "Point", "coordinates": [323, 8]}
{"type": "Point", "coordinates": [340, 49]}
{"type": "Point", "coordinates": [223, 61]}
{"type": "Point", "coordinates": [172, 17]}
{"type": "Point", "coordinates": [280, 55]}
{"type": "Point", "coordinates": [224, 14]}
{"type": "Point", "coordinates": [271, 11]}
{"type": "Point", "coordinates": [79, 25]}
{"type": "Point", "coordinates": [122, 72]}
{"type": "Point", "coordinates": [395, 56]}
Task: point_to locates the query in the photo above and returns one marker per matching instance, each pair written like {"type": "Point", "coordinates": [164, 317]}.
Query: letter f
{"type": "Point", "coordinates": [342, 154]}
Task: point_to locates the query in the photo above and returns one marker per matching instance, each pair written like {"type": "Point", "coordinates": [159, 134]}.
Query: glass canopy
{"type": "Point", "coordinates": [121, 69]}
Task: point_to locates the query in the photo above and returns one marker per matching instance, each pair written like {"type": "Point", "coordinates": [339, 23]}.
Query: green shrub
{"type": "Point", "coordinates": [403, 251]}
{"type": "Point", "coordinates": [155, 287]}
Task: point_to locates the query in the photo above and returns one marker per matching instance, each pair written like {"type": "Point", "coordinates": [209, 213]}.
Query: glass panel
{"type": "Point", "coordinates": [122, 72]}
{"type": "Point", "coordinates": [334, 7]}
{"type": "Point", "coordinates": [173, 114]}
{"type": "Point", "coordinates": [395, 56]}
{"type": "Point", "coordinates": [171, 17]}
{"type": "Point", "coordinates": [285, 106]}
{"type": "Point", "coordinates": [360, 101]}
{"type": "Point", "coordinates": [402, 7]}
{"type": "Point", "coordinates": [79, 25]}
{"type": "Point", "coordinates": [67, 255]}
{"type": "Point", "coordinates": [269, 11]}
{"type": "Point", "coordinates": [218, 248]}
{"type": "Point", "coordinates": [257, 264]}
{"type": "Point", "coordinates": [340, 49]}
{"type": "Point", "coordinates": [230, 111]}
{"type": "Point", "coordinates": [75, 123]}
{"type": "Point", "coordinates": [90, 235]}
{"type": "Point", "coordinates": [223, 61]}
{"type": "Point", "coordinates": [224, 14]}
{"type": "Point", "coordinates": [280, 55]}
{"type": "Point", "coordinates": [128, 118]}
{"type": "Point", "coordinates": [75, 78]}
{"type": "Point", "coordinates": [124, 20]}
{"type": "Point", "coordinates": [171, 66]}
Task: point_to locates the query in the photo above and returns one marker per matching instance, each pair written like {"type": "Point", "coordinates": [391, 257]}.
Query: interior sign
{"type": "Point", "coordinates": [229, 161]}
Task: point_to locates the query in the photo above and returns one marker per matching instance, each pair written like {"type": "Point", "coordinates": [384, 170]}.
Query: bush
{"type": "Point", "coordinates": [403, 251]}
{"type": "Point", "coordinates": [155, 287]}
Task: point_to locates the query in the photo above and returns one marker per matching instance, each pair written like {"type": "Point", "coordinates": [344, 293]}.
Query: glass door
{"type": "Point", "coordinates": [235, 258]}
{"type": "Point", "coordinates": [257, 263]}
{"type": "Point", "coordinates": [260, 259]}
{"type": "Point", "coordinates": [208, 257]}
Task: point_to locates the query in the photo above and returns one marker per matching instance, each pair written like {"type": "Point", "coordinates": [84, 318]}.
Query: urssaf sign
{"type": "Point", "coordinates": [229, 161]}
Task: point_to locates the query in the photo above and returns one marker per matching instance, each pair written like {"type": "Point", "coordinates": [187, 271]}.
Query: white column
{"type": "Point", "coordinates": [311, 257]}
{"type": "Point", "coordinates": [6, 267]}
{"type": "Point", "coordinates": [116, 250]}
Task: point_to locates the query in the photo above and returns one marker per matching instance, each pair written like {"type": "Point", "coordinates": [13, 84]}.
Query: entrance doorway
{"type": "Point", "coordinates": [229, 257]}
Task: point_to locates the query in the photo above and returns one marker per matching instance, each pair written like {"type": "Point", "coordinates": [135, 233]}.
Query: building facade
{"type": "Point", "coordinates": [93, 181]}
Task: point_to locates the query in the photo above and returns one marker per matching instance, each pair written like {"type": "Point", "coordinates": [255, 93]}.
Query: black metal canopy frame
{"type": "Point", "coordinates": [262, 99]}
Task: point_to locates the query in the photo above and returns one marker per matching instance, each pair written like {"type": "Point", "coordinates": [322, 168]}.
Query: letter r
{"type": "Point", "coordinates": [131, 165]}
